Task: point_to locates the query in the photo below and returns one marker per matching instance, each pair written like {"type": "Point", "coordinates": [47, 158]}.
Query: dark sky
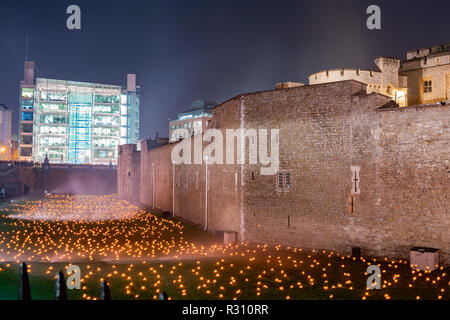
{"type": "Point", "coordinates": [190, 49]}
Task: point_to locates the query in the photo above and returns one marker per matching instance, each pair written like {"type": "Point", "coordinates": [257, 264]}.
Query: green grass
{"type": "Point", "coordinates": [396, 279]}
{"type": "Point", "coordinates": [244, 271]}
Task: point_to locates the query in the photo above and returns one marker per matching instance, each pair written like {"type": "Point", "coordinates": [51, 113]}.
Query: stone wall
{"type": "Point", "coordinates": [22, 180]}
{"type": "Point", "coordinates": [360, 173]}
{"type": "Point", "coordinates": [156, 165]}
{"type": "Point", "coordinates": [79, 180]}
{"type": "Point", "coordinates": [387, 81]}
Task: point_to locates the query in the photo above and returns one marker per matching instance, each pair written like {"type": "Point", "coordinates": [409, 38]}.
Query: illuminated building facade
{"type": "Point", "coordinates": [5, 133]}
{"type": "Point", "coordinates": [194, 120]}
{"type": "Point", "coordinates": [76, 122]}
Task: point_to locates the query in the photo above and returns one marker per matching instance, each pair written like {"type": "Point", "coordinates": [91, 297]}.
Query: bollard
{"type": "Point", "coordinates": [60, 287]}
{"type": "Point", "coordinates": [163, 296]}
{"type": "Point", "coordinates": [24, 283]}
{"type": "Point", "coordinates": [105, 293]}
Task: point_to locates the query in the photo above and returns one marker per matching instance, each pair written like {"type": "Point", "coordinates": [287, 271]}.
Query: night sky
{"type": "Point", "coordinates": [187, 50]}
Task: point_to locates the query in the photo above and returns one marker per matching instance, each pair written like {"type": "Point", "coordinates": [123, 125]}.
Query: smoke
{"type": "Point", "coordinates": [80, 208]}
{"type": "Point", "coordinates": [81, 181]}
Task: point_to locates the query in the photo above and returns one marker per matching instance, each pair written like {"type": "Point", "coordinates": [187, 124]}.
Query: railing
{"type": "Point", "coordinates": [61, 287]}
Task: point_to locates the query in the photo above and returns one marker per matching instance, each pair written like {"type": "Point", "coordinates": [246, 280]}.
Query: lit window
{"type": "Point", "coordinates": [427, 86]}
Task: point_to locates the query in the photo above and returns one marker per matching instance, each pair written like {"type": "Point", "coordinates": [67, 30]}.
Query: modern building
{"type": "Point", "coordinates": [5, 132]}
{"type": "Point", "coordinates": [194, 120]}
{"type": "Point", "coordinates": [76, 122]}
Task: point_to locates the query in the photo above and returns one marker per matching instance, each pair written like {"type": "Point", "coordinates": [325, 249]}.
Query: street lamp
{"type": "Point", "coordinates": [2, 150]}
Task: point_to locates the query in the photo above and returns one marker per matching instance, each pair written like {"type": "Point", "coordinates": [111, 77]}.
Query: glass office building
{"type": "Point", "coordinates": [77, 122]}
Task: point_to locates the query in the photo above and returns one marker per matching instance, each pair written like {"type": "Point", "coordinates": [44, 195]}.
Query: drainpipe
{"type": "Point", "coordinates": [206, 193]}
{"type": "Point", "coordinates": [173, 190]}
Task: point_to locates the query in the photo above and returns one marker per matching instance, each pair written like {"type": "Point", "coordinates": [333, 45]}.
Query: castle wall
{"type": "Point", "coordinates": [324, 131]}
{"type": "Point", "coordinates": [400, 198]}
{"type": "Point", "coordinates": [22, 180]}
{"type": "Point", "coordinates": [414, 178]}
{"type": "Point", "coordinates": [79, 180]}
{"type": "Point", "coordinates": [387, 81]}
{"type": "Point", "coordinates": [404, 181]}
{"type": "Point", "coordinates": [377, 82]}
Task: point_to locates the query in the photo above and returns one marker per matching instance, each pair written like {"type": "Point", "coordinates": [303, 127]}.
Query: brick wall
{"type": "Point", "coordinates": [162, 170]}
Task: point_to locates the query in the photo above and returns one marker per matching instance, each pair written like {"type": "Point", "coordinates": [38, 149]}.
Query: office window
{"type": "Point", "coordinates": [27, 93]}
{"type": "Point", "coordinates": [27, 140]}
{"type": "Point", "coordinates": [26, 152]}
{"type": "Point", "coordinates": [53, 119]}
{"type": "Point", "coordinates": [27, 116]}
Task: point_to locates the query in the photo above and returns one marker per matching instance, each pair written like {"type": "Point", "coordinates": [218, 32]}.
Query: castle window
{"type": "Point", "coordinates": [283, 181]}
{"type": "Point", "coordinates": [389, 90]}
{"type": "Point", "coordinates": [280, 180]}
{"type": "Point", "coordinates": [287, 180]}
{"type": "Point", "coordinates": [427, 86]}
{"type": "Point", "coordinates": [196, 180]}
{"type": "Point", "coordinates": [352, 204]}
{"type": "Point", "coordinates": [355, 180]}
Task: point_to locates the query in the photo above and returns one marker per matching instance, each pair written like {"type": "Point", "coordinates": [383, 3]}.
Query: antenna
{"type": "Point", "coordinates": [26, 47]}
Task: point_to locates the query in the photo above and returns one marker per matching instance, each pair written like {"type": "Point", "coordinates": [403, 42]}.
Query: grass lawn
{"type": "Point", "coordinates": [143, 256]}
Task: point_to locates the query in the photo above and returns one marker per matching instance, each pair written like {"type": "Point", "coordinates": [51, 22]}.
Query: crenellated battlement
{"type": "Point", "coordinates": [386, 81]}
{"type": "Point", "coordinates": [426, 61]}
{"type": "Point", "coordinates": [332, 75]}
